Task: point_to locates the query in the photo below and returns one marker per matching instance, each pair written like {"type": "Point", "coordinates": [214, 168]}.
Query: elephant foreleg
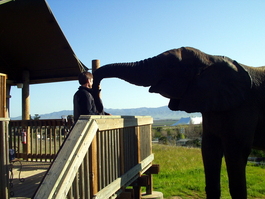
{"type": "Point", "coordinates": [212, 154]}
{"type": "Point", "coordinates": [236, 160]}
{"type": "Point", "coordinates": [237, 143]}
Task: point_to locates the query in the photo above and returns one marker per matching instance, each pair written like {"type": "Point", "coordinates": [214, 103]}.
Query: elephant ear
{"type": "Point", "coordinates": [221, 86]}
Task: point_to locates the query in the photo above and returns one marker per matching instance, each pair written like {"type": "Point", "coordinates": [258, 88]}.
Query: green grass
{"type": "Point", "coordinates": [182, 174]}
{"type": "Point", "coordinates": [164, 122]}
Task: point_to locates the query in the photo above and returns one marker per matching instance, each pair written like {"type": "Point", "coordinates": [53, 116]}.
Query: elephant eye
{"type": "Point", "coordinates": [201, 70]}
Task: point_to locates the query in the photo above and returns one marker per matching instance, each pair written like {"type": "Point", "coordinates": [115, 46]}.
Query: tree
{"type": "Point", "coordinates": [36, 117]}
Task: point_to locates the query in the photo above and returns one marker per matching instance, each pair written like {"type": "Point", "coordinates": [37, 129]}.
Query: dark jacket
{"type": "Point", "coordinates": [84, 103]}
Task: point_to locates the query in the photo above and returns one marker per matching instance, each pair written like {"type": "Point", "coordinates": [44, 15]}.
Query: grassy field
{"type": "Point", "coordinates": [181, 174]}
{"type": "Point", "coordinates": [164, 122]}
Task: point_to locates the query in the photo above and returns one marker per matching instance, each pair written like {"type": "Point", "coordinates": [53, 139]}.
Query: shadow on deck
{"type": "Point", "coordinates": [32, 173]}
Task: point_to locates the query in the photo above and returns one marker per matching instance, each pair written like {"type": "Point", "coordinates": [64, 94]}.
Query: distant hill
{"type": "Point", "coordinates": [157, 113]}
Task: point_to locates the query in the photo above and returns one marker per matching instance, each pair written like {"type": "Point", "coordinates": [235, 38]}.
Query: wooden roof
{"type": "Point", "coordinates": [31, 39]}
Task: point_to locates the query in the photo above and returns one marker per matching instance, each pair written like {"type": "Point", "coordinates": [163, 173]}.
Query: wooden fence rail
{"type": "Point", "coordinates": [43, 138]}
{"type": "Point", "coordinates": [100, 157]}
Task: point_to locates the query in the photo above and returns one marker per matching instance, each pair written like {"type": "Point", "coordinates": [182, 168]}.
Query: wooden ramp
{"type": "Point", "coordinates": [32, 173]}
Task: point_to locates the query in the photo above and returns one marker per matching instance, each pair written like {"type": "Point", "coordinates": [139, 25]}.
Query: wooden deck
{"type": "Point", "coordinates": [108, 153]}
{"type": "Point", "coordinates": [32, 173]}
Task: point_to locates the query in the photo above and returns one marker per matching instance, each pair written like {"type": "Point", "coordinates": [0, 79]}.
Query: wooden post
{"type": "Point", "coordinates": [4, 158]}
{"type": "Point", "coordinates": [137, 133]}
{"type": "Point", "coordinates": [26, 108]}
{"type": "Point", "coordinates": [137, 188]}
{"type": "Point", "coordinates": [93, 167]}
{"type": "Point", "coordinates": [3, 139]}
{"type": "Point", "coordinates": [3, 112]}
{"type": "Point", "coordinates": [8, 96]}
{"type": "Point", "coordinates": [95, 64]}
{"type": "Point", "coordinates": [93, 149]}
{"type": "Point", "coordinates": [149, 188]}
{"type": "Point", "coordinates": [25, 96]}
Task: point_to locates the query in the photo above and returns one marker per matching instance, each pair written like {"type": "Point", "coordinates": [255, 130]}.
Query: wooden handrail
{"type": "Point", "coordinates": [116, 158]}
{"type": "Point", "coordinates": [61, 174]}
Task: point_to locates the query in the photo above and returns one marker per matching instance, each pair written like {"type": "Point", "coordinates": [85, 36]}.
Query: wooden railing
{"type": "Point", "coordinates": [101, 156]}
{"type": "Point", "coordinates": [43, 138]}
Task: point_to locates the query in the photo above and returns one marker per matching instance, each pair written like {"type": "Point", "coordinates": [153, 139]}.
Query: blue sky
{"type": "Point", "coordinates": [125, 31]}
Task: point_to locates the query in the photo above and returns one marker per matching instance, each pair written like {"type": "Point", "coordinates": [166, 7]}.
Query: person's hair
{"type": "Point", "coordinates": [83, 77]}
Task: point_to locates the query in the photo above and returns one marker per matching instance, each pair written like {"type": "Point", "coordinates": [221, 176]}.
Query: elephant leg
{"type": "Point", "coordinates": [237, 143]}
{"type": "Point", "coordinates": [236, 160]}
{"type": "Point", "coordinates": [212, 154]}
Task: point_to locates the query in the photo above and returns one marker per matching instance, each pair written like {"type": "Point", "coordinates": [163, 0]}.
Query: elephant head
{"type": "Point", "coordinates": [192, 80]}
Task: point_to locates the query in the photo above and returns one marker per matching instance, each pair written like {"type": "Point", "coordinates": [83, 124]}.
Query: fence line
{"type": "Point", "coordinates": [42, 140]}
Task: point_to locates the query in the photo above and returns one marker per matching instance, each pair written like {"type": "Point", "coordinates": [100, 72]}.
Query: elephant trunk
{"type": "Point", "coordinates": [138, 73]}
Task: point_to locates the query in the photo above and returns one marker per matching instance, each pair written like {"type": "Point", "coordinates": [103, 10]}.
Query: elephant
{"type": "Point", "coordinates": [229, 95]}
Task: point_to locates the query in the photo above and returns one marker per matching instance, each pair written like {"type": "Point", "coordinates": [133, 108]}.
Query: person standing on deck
{"type": "Point", "coordinates": [84, 103]}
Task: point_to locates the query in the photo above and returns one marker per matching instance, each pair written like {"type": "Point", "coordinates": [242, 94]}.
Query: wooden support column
{"type": "Point", "coordinates": [8, 96]}
{"type": "Point", "coordinates": [93, 150]}
{"type": "Point", "coordinates": [25, 96]}
{"type": "Point", "coordinates": [4, 158]}
{"type": "Point", "coordinates": [3, 110]}
{"type": "Point", "coordinates": [26, 109]}
{"type": "Point", "coordinates": [95, 64]}
{"type": "Point", "coordinates": [3, 139]}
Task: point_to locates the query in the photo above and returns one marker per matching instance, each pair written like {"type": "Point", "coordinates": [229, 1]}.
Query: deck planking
{"type": "Point", "coordinates": [32, 173]}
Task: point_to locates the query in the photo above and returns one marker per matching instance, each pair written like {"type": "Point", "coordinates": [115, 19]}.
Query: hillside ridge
{"type": "Point", "coordinates": [158, 113]}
